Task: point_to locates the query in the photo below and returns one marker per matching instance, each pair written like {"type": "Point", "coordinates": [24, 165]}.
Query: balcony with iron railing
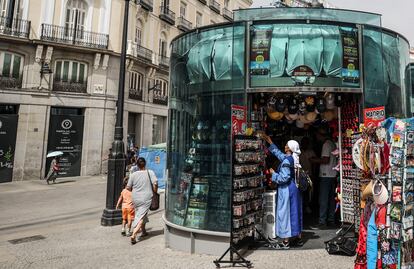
{"type": "Point", "coordinates": [159, 98]}
{"type": "Point", "coordinates": [227, 14]}
{"type": "Point", "coordinates": [135, 94]}
{"type": "Point", "coordinates": [203, 1]}
{"type": "Point", "coordinates": [167, 15]}
{"type": "Point", "coordinates": [74, 36]}
{"type": "Point", "coordinates": [67, 86]}
{"type": "Point", "coordinates": [146, 4]}
{"type": "Point", "coordinates": [215, 6]}
{"type": "Point", "coordinates": [14, 27]}
{"type": "Point", "coordinates": [164, 61]}
{"type": "Point", "coordinates": [183, 24]}
{"type": "Point", "coordinates": [144, 53]}
{"type": "Point", "coordinates": [10, 82]}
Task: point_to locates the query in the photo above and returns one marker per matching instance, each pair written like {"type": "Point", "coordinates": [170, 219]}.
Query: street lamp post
{"type": "Point", "coordinates": [116, 162]}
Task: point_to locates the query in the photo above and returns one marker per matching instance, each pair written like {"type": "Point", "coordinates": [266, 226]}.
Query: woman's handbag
{"type": "Point", "coordinates": [155, 203]}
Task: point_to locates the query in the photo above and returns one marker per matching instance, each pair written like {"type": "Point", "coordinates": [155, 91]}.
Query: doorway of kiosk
{"type": "Point", "coordinates": [311, 119]}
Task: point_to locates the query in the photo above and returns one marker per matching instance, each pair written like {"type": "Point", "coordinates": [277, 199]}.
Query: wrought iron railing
{"type": "Point", "coordinates": [203, 1]}
{"type": "Point", "coordinates": [159, 98]}
{"type": "Point", "coordinates": [164, 60]}
{"type": "Point", "coordinates": [167, 15]}
{"type": "Point", "coordinates": [9, 83]}
{"type": "Point", "coordinates": [227, 14]}
{"type": "Point", "coordinates": [14, 27]}
{"type": "Point", "coordinates": [135, 94]}
{"type": "Point", "coordinates": [60, 86]}
{"type": "Point", "coordinates": [75, 36]}
{"type": "Point", "coordinates": [144, 53]}
{"type": "Point", "coordinates": [215, 6]}
{"type": "Point", "coordinates": [183, 24]}
{"type": "Point", "coordinates": [146, 4]}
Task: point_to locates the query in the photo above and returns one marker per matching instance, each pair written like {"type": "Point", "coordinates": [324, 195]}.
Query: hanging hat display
{"type": "Point", "coordinates": [310, 103]}
{"type": "Point", "coordinates": [280, 104]}
{"type": "Point", "coordinates": [293, 106]}
{"type": "Point", "coordinates": [330, 101]}
{"type": "Point", "coordinates": [357, 153]}
{"type": "Point", "coordinates": [320, 105]}
{"type": "Point", "coordinates": [271, 102]}
{"type": "Point", "coordinates": [379, 192]}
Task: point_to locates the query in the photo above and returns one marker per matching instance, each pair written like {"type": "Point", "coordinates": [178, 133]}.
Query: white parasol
{"type": "Point", "coordinates": [54, 154]}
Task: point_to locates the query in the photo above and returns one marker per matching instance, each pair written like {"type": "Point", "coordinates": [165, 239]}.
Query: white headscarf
{"type": "Point", "coordinates": [294, 147]}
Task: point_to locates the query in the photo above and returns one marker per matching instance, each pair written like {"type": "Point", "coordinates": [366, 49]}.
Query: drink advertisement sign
{"type": "Point", "coordinates": [238, 119]}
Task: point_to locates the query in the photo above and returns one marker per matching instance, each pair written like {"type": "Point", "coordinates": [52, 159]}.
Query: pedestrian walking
{"type": "Point", "coordinates": [142, 183]}
{"type": "Point", "coordinates": [53, 171]}
{"type": "Point", "coordinates": [128, 211]}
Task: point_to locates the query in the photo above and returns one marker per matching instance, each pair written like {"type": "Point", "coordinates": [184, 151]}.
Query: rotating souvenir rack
{"type": "Point", "coordinates": [246, 196]}
{"type": "Point", "coordinates": [401, 189]}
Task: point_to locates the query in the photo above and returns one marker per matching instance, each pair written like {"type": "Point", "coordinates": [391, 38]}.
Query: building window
{"type": "Point", "coordinates": [138, 33]}
{"type": "Point", "coordinates": [183, 9]}
{"type": "Point", "coordinates": [70, 71]}
{"type": "Point", "coordinates": [10, 65]}
{"type": "Point", "coordinates": [165, 3]}
{"type": "Point", "coordinates": [158, 129]}
{"type": "Point", "coordinates": [163, 45]}
{"type": "Point", "coordinates": [75, 15]}
{"type": "Point", "coordinates": [199, 19]}
{"type": "Point", "coordinates": [136, 82]}
{"type": "Point", "coordinates": [160, 92]}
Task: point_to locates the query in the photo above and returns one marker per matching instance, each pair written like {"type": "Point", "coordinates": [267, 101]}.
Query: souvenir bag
{"type": "Point", "coordinates": [342, 244]}
{"type": "Point", "coordinates": [155, 203]}
{"type": "Point", "coordinates": [302, 179]}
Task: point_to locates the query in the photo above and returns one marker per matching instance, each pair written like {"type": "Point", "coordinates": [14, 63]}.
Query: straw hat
{"type": "Point", "coordinates": [379, 192]}
{"type": "Point", "coordinates": [275, 115]}
{"type": "Point", "coordinates": [328, 115]}
{"type": "Point", "coordinates": [293, 116]}
{"type": "Point", "coordinates": [367, 191]}
{"type": "Point", "coordinates": [311, 116]}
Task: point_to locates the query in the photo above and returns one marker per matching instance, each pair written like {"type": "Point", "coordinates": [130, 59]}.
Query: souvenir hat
{"type": "Point", "coordinates": [280, 104]}
{"type": "Point", "coordinates": [367, 191]}
{"type": "Point", "coordinates": [275, 115]}
{"type": "Point", "coordinates": [320, 105]}
{"type": "Point", "coordinates": [304, 120]}
{"type": "Point", "coordinates": [293, 106]}
{"type": "Point", "coordinates": [302, 107]}
{"type": "Point", "coordinates": [310, 103]}
{"type": "Point", "coordinates": [330, 101]}
{"type": "Point", "coordinates": [379, 192]}
{"type": "Point", "coordinates": [328, 115]}
{"type": "Point", "coordinates": [311, 116]}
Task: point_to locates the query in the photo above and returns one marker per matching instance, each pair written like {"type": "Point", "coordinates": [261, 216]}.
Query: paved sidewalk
{"type": "Point", "coordinates": [67, 215]}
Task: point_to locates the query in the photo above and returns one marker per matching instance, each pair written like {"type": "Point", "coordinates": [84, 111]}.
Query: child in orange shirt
{"type": "Point", "coordinates": [128, 211]}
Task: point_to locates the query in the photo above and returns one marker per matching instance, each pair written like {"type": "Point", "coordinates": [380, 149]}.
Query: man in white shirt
{"type": "Point", "coordinates": [327, 180]}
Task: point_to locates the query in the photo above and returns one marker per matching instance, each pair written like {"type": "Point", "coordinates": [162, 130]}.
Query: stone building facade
{"type": "Point", "coordinates": [59, 68]}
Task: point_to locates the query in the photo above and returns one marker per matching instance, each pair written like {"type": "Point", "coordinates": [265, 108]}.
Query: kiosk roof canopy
{"type": "Point", "coordinates": [319, 14]}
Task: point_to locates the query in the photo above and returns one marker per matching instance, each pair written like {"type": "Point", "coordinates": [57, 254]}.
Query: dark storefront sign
{"type": "Point", "coordinates": [260, 50]}
{"type": "Point", "coordinates": [8, 131]}
{"type": "Point", "coordinates": [66, 135]}
{"type": "Point", "coordinates": [350, 65]}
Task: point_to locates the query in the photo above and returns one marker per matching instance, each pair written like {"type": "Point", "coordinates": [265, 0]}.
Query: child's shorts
{"type": "Point", "coordinates": [128, 214]}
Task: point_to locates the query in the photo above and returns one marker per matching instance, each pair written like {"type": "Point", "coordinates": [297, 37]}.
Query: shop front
{"type": "Point", "coordinates": [287, 72]}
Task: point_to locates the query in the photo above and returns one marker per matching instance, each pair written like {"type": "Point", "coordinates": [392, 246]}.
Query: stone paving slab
{"type": "Point", "coordinates": [75, 239]}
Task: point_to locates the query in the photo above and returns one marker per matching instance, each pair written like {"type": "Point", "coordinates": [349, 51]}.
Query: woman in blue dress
{"type": "Point", "coordinates": [289, 199]}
